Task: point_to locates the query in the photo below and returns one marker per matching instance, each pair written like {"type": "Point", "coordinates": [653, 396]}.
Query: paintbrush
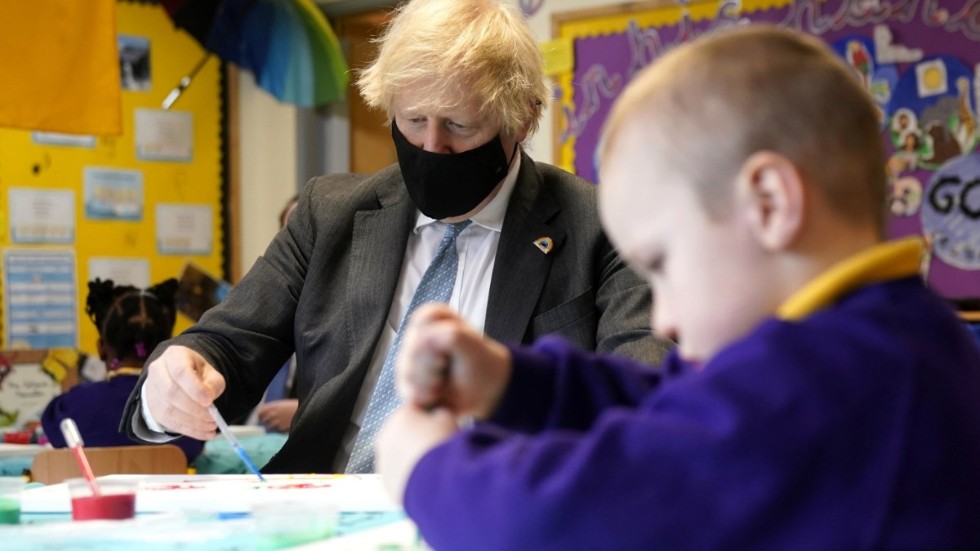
{"type": "Point", "coordinates": [223, 427]}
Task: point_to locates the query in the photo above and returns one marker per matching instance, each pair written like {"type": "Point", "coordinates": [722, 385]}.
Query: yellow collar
{"type": "Point", "coordinates": [890, 260]}
{"type": "Point", "coordinates": [124, 371]}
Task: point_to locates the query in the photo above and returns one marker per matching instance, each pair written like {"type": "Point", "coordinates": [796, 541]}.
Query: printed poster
{"type": "Point", "coordinates": [40, 307]}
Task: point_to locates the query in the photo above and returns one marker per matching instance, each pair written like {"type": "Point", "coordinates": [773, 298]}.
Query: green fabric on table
{"type": "Point", "coordinates": [220, 458]}
{"type": "Point", "coordinates": [16, 465]}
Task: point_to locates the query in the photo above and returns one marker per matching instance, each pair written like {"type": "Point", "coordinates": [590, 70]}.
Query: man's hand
{"type": "Point", "coordinates": [445, 363]}
{"type": "Point", "coordinates": [179, 387]}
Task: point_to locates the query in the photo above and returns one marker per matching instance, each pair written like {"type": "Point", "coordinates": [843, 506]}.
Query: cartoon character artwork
{"type": "Point", "coordinates": [860, 60]}
{"type": "Point", "coordinates": [905, 196]}
{"type": "Point", "coordinates": [966, 125]}
{"type": "Point", "coordinates": [903, 121]}
{"type": "Point", "coordinates": [936, 97]}
{"type": "Point", "coordinates": [29, 379]}
{"type": "Point", "coordinates": [907, 139]}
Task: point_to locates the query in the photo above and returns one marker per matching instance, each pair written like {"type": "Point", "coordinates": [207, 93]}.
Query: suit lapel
{"type": "Point", "coordinates": [521, 268]}
{"type": "Point", "coordinates": [377, 251]}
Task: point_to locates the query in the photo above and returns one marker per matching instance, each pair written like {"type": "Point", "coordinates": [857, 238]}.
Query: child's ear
{"type": "Point", "coordinates": [771, 194]}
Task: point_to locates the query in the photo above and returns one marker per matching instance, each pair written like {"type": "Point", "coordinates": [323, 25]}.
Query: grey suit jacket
{"type": "Point", "coordinates": [325, 284]}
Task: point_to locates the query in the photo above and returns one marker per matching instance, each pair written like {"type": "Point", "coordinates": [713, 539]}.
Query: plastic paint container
{"type": "Point", "coordinates": [116, 499]}
{"type": "Point", "coordinates": [10, 490]}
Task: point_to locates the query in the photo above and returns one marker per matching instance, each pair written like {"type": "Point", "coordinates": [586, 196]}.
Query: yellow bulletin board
{"type": "Point", "coordinates": [141, 204]}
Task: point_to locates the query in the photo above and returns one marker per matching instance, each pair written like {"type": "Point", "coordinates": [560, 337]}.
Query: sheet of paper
{"type": "Point", "coordinates": [231, 493]}
{"type": "Point", "coordinates": [69, 140]}
{"type": "Point", "coordinates": [112, 194]}
{"type": "Point", "coordinates": [134, 63]}
{"type": "Point", "coordinates": [184, 229]}
{"type": "Point", "coordinates": [164, 135]}
{"type": "Point", "coordinates": [42, 216]}
{"type": "Point", "coordinates": [122, 271]}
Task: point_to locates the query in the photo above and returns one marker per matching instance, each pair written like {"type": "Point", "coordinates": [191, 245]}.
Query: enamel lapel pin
{"type": "Point", "coordinates": [545, 244]}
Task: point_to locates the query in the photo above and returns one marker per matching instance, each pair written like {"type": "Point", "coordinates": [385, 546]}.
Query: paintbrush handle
{"type": "Point", "coordinates": [226, 432]}
{"type": "Point", "coordinates": [73, 439]}
{"type": "Point", "coordinates": [223, 426]}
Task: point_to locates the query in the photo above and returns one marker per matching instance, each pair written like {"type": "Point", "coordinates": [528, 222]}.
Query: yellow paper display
{"type": "Point", "coordinates": [59, 66]}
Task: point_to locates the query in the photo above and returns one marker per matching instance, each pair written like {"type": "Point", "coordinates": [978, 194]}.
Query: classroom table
{"type": "Point", "coordinates": [223, 512]}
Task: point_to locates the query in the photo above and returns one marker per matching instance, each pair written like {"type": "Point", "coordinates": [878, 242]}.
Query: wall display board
{"type": "Point", "coordinates": [134, 207]}
{"type": "Point", "coordinates": [920, 60]}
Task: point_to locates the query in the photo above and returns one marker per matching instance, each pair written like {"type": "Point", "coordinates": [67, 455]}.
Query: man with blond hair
{"type": "Point", "coordinates": [466, 217]}
{"type": "Point", "coordinates": [820, 396]}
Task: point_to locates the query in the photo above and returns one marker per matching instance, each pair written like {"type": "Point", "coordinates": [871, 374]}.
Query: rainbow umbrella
{"type": "Point", "coordinates": [287, 44]}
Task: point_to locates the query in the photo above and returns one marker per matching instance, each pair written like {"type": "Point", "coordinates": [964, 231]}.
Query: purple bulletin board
{"type": "Point", "coordinates": [920, 59]}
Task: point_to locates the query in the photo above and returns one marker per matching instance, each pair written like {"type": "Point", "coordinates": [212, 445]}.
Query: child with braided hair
{"type": "Point", "coordinates": [131, 322]}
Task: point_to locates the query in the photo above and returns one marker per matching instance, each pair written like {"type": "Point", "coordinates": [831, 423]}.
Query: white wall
{"type": "Point", "coordinates": [267, 154]}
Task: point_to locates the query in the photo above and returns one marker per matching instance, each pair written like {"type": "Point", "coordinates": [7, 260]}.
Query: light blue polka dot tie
{"type": "Point", "coordinates": [436, 286]}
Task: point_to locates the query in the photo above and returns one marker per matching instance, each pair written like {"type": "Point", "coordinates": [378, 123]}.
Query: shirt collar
{"type": "Point", "coordinates": [883, 262]}
{"type": "Point", "coordinates": [491, 216]}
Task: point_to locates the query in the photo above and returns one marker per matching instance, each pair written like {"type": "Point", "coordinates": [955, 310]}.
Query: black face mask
{"type": "Point", "coordinates": [445, 185]}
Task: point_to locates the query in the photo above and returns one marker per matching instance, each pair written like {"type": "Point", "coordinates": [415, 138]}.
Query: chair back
{"type": "Point", "coordinates": [56, 465]}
